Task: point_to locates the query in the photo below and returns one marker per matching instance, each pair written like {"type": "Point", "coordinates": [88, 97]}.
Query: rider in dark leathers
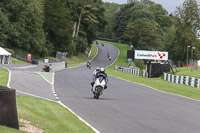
{"type": "Point", "coordinates": [101, 73]}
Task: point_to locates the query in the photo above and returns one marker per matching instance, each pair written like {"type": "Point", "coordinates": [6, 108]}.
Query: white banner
{"type": "Point", "coordinates": [151, 55]}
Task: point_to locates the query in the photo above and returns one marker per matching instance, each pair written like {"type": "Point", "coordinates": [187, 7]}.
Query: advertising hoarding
{"type": "Point", "coordinates": [151, 55]}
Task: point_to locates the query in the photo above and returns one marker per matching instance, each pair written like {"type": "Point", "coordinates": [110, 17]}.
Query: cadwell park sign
{"type": "Point", "coordinates": [151, 55]}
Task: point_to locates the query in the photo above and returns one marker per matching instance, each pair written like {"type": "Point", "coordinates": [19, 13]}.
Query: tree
{"type": "Point", "coordinates": [25, 19]}
{"type": "Point", "coordinates": [143, 34]}
{"type": "Point", "coordinates": [32, 36]}
{"type": "Point", "coordinates": [4, 28]}
{"type": "Point", "coordinates": [187, 26]}
{"type": "Point", "coordinates": [58, 25]}
{"type": "Point", "coordinates": [89, 16]}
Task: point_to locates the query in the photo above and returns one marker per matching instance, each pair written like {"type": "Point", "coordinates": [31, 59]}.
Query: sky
{"type": "Point", "coordinates": [169, 5]}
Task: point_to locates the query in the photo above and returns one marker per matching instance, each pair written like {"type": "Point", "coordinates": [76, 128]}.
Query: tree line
{"type": "Point", "coordinates": [148, 26]}
{"type": "Point", "coordinates": [42, 27]}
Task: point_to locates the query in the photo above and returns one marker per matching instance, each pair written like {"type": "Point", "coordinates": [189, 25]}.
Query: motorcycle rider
{"type": "Point", "coordinates": [109, 58]}
{"type": "Point", "coordinates": [101, 73]}
{"type": "Point", "coordinates": [108, 55]}
{"type": "Point", "coordinates": [88, 64]}
{"type": "Point", "coordinates": [96, 70]}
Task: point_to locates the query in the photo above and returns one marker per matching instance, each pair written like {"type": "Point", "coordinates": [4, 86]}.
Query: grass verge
{"type": "Point", "coordinates": [3, 77]}
{"type": "Point", "coordinates": [156, 83]}
{"type": "Point", "coordinates": [16, 61]}
{"type": "Point", "coordinates": [46, 115]}
{"type": "Point", "coordinates": [184, 71]}
{"type": "Point", "coordinates": [49, 116]}
{"type": "Point", "coordinates": [82, 57]}
{"type": "Point", "coordinates": [47, 76]}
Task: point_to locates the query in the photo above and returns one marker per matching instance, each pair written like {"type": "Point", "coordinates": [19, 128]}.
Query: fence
{"type": "Point", "coordinates": [191, 81]}
{"type": "Point", "coordinates": [25, 59]}
{"type": "Point", "coordinates": [131, 70]}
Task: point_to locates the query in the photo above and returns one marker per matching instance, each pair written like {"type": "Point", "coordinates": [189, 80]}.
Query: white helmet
{"type": "Point", "coordinates": [102, 70]}
{"type": "Point", "coordinates": [97, 69]}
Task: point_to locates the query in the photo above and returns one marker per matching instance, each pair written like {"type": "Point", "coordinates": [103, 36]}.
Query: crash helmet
{"type": "Point", "coordinates": [102, 70]}
{"type": "Point", "coordinates": [97, 69]}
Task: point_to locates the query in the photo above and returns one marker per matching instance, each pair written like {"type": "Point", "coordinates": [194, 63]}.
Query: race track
{"type": "Point", "coordinates": [125, 107]}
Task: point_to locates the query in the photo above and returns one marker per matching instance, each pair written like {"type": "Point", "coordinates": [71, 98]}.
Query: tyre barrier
{"type": "Point", "coordinates": [191, 81]}
{"type": "Point", "coordinates": [130, 70]}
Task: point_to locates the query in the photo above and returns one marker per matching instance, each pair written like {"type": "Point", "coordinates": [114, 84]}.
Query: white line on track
{"type": "Point", "coordinates": [115, 59]}
{"type": "Point", "coordinates": [9, 77]}
{"type": "Point", "coordinates": [44, 78]}
{"type": "Point", "coordinates": [151, 87]}
{"type": "Point", "coordinates": [157, 89]}
{"type": "Point", "coordinates": [35, 96]}
{"type": "Point", "coordinates": [58, 101]}
{"type": "Point", "coordinates": [79, 117]}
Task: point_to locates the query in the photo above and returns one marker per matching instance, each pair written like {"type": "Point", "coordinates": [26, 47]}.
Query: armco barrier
{"type": "Point", "coordinates": [130, 70]}
{"type": "Point", "coordinates": [191, 81]}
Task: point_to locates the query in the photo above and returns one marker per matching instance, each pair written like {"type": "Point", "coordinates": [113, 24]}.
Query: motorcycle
{"type": "Point", "coordinates": [98, 87]}
{"type": "Point", "coordinates": [90, 66]}
{"type": "Point", "coordinates": [109, 58]}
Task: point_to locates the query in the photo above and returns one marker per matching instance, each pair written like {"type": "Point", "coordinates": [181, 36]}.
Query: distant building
{"type": "Point", "coordinates": [5, 56]}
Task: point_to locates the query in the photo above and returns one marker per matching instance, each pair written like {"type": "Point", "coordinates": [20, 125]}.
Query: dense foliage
{"type": "Point", "coordinates": [42, 27]}
{"type": "Point", "coordinates": [148, 26]}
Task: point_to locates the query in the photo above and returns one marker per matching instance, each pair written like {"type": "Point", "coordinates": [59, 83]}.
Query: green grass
{"type": "Point", "coordinates": [156, 83]}
{"type": "Point", "coordinates": [3, 82]}
{"type": "Point", "coordinates": [16, 61]}
{"type": "Point", "coordinates": [47, 76]}
{"type": "Point", "coordinates": [3, 77]}
{"type": "Point", "coordinates": [49, 116]}
{"type": "Point", "coordinates": [82, 57]}
{"type": "Point", "coordinates": [46, 115]}
{"type": "Point", "coordinates": [187, 72]}
{"type": "Point", "coordinates": [4, 129]}
{"type": "Point", "coordinates": [71, 65]}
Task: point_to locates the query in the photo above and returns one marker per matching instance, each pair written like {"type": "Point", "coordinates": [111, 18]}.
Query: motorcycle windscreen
{"type": "Point", "coordinates": [101, 79]}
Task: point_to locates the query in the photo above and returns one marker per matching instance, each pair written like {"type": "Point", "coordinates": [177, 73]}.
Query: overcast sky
{"type": "Point", "coordinates": [169, 5]}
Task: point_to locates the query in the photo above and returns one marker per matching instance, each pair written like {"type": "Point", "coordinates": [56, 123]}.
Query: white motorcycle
{"type": "Point", "coordinates": [98, 87]}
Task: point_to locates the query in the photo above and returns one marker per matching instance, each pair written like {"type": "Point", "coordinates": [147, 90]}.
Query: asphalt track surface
{"type": "Point", "coordinates": [26, 81]}
{"type": "Point", "coordinates": [125, 107]}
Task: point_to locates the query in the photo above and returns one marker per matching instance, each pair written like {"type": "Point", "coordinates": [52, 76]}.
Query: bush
{"type": "Point", "coordinates": [81, 44]}
{"type": "Point", "coordinates": [140, 64]}
{"type": "Point", "coordinates": [10, 50]}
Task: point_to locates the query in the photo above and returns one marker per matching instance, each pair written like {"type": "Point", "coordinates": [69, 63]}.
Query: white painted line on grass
{"type": "Point", "coordinates": [157, 89]}
{"type": "Point", "coordinates": [96, 131]}
{"type": "Point", "coordinates": [44, 78]}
